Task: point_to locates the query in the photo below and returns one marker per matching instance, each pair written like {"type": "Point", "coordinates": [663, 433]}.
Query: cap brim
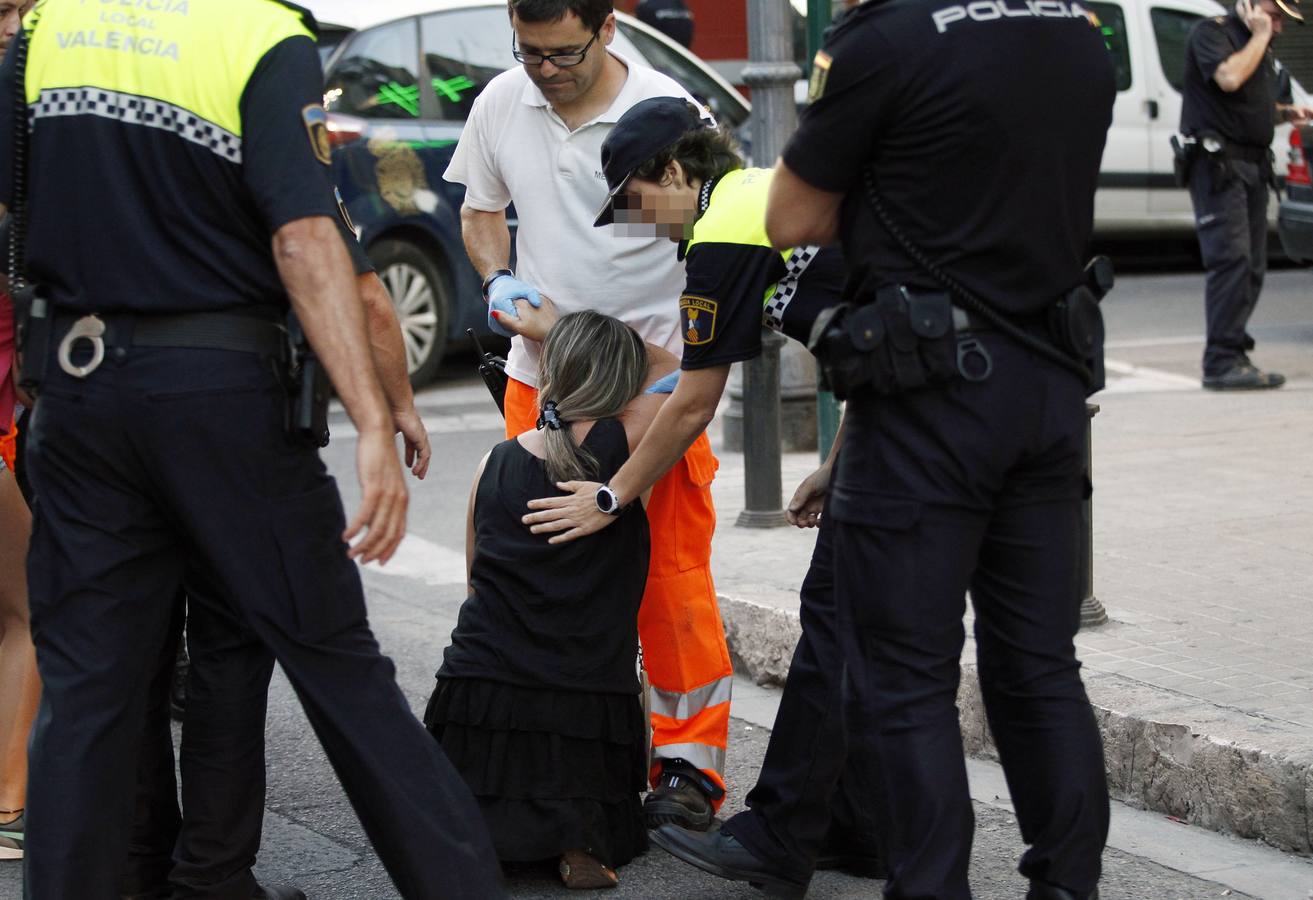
{"type": "Point", "coordinates": [1291, 10]}
{"type": "Point", "coordinates": [606, 215]}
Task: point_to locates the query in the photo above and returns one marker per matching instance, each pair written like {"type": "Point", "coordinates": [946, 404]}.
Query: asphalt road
{"type": "Point", "coordinates": [1154, 320]}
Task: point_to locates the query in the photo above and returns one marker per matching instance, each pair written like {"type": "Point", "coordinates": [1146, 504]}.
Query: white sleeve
{"type": "Point", "coordinates": [474, 165]}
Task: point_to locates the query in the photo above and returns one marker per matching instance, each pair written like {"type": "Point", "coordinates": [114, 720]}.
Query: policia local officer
{"type": "Point", "coordinates": [168, 259]}
{"type": "Point", "coordinates": [961, 466]}
{"type": "Point", "coordinates": [1228, 107]}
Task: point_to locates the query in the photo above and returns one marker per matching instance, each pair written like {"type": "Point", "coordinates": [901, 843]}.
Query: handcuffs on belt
{"type": "Point", "coordinates": [89, 328]}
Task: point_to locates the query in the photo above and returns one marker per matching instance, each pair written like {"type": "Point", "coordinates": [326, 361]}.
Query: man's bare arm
{"type": "Point", "coordinates": [314, 267]}
{"type": "Point", "coordinates": [388, 347]}
{"type": "Point", "coordinates": [798, 214]}
{"type": "Point", "coordinates": [487, 239]}
{"type": "Point", "coordinates": [1240, 66]}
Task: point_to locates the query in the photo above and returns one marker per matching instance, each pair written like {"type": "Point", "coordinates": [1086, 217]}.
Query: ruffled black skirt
{"type": "Point", "coordinates": [552, 770]}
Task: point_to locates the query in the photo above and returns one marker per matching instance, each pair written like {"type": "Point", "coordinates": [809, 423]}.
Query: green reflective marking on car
{"type": "Point", "coordinates": [452, 88]}
{"type": "Point", "coordinates": [399, 95]}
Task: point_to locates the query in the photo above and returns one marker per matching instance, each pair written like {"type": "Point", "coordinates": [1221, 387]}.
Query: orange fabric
{"type": "Point", "coordinates": [679, 622]}
{"type": "Point", "coordinates": [7, 445]}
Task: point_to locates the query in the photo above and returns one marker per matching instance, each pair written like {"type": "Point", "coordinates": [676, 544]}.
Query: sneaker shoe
{"type": "Point", "coordinates": [678, 800]}
{"type": "Point", "coordinates": [11, 838]}
{"type": "Point", "coordinates": [722, 855]}
{"type": "Point", "coordinates": [1244, 377]}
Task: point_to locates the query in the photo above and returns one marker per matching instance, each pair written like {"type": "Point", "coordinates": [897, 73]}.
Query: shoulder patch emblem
{"type": "Point", "coordinates": [820, 75]}
{"type": "Point", "coordinates": [698, 317]}
{"type": "Point", "coordinates": [316, 126]}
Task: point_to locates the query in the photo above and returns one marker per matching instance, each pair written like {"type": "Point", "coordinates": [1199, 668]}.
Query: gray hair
{"type": "Point", "coordinates": [591, 367]}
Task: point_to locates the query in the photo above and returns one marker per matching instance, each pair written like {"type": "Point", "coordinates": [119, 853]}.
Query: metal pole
{"type": "Point", "coordinates": [771, 75]}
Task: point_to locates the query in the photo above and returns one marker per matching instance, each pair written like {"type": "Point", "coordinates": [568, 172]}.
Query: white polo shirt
{"type": "Point", "coordinates": [516, 149]}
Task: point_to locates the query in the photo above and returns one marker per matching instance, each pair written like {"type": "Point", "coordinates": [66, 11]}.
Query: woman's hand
{"type": "Point", "coordinates": [804, 510]}
{"type": "Point", "coordinates": [531, 322]}
{"type": "Point", "coordinates": [570, 517]}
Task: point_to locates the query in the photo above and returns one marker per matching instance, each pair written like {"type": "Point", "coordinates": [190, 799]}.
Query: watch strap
{"type": "Point", "coordinates": [493, 276]}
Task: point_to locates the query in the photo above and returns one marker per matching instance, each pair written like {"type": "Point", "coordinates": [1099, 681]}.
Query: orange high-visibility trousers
{"type": "Point", "coordinates": [8, 445]}
{"type": "Point", "coordinates": [684, 650]}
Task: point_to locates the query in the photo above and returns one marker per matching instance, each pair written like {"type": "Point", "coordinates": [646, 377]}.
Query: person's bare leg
{"type": "Point", "coordinates": [20, 689]}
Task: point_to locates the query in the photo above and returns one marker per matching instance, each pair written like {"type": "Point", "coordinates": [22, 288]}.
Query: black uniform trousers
{"type": "Point", "coordinates": [222, 758]}
{"type": "Point", "coordinates": [1230, 210]}
{"type": "Point", "coordinates": [157, 458]}
{"type": "Point", "coordinates": [813, 791]}
{"type": "Point", "coordinates": [969, 486]}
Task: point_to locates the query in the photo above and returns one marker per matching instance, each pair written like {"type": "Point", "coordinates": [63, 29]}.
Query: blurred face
{"type": "Point", "coordinates": [666, 208]}
{"type": "Point", "coordinates": [563, 84]}
{"type": "Point", "coordinates": [11, 19]}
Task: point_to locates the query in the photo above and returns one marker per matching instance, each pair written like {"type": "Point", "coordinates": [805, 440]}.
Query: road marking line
{"type": "Point", "coordinates": [1141, 379]}
{"type": "Point", "coordinates": [423, 561]}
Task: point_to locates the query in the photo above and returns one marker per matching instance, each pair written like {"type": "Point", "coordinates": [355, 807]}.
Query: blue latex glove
{"type": "Point", "coordinates": [664, 385]}
{"type": "Point", "coordinates": [502, 294]}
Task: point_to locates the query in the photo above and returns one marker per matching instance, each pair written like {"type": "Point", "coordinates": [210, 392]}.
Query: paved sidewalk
{"type": "Point", "coordinates": [1203, 678]}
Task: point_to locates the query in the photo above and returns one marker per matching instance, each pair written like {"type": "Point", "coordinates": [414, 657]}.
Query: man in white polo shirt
{"type": "Point", "coordinates": [534, 138]}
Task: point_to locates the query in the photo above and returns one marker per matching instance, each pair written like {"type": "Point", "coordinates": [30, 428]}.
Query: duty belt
{"type": "Point", "coordinates": [240, 333]}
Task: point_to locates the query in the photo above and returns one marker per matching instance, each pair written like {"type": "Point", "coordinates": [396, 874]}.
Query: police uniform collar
{"type": "Point", "coordinates": [704, 200]}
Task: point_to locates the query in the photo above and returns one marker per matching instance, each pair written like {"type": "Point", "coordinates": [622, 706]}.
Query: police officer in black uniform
{"type": "Point", "coordinates": [954, 148]}
{"type": "Point", "coordinates": [670, 17]}
{"type": "Point", "coordinates": [165, 263]}
{"type": "Point", "coordinates": [1230, 101]}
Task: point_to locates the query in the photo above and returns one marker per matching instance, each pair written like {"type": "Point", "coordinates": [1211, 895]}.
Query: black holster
{"type": "Point", "coordinates": [1075, 323]}
{"type": "Point", "coordinates": [1184, 154]}
{"type": "Point", "coordinates": [897, 341]}
{"type": "Point", "coordinates": [308, 390]}
{"type": "Point", "coordinates": [34, 317]}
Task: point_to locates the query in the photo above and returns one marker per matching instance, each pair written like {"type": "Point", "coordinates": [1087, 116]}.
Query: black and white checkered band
{"type": "Point", "coordinates": [134, 110]}
{"type": "Point", "coordinates": [787, 288]}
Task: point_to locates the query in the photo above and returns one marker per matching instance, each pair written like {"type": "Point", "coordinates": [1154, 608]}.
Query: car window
{"type": "Point", "coordinates": [374, 77]}
{"type": "Point", "coordinates": [1112, 24]}
{"type": "Point", "coordinates": [463, 51]}
{"type": "Point", "coordinates": [1171, 28]}
{"type": "Point", "coordinates": [679, 67]}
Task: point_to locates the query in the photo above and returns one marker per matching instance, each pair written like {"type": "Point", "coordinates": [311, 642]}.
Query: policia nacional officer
{"type": "Point", "coordinates": [1230, 101]}
{"type": "Point", "coordinates": [168, 259]}
{"type": "Point", "coordinates": [980, 138]}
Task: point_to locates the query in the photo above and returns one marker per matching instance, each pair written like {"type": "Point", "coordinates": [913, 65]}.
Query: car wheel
{"type": "Point", "coordinates": [419, 295]}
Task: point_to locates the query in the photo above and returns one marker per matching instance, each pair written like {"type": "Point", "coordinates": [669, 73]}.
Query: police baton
{"type": "Point", "coordinates": [492, 368]}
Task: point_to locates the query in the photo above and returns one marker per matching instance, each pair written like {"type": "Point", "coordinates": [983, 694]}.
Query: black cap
{"type": "Point", "coordinates": [648, 128]}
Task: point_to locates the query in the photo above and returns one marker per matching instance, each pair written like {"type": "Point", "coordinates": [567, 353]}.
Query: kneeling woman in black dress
{"type": "Point", "coordinates": [537, 702]}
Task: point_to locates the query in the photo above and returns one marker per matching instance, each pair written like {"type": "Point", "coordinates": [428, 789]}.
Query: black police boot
{"type": "Point", "coordinates": [1040, 890]}
{"type": "Point", "coordinates": [682, 797]}
{"type": "Point", "coordinates": [278, 892]}
{"type": "Point", "coordinates": [722, 855]}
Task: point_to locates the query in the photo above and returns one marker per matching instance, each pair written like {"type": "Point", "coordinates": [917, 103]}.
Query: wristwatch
{"type": "Point", "coordinates": [496, 273]}
{"type": "Point", "coordinates": [607, 501]}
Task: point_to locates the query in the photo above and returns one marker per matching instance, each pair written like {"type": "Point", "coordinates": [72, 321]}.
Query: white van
{"type": "Point", "coordinates": [1147, 41]}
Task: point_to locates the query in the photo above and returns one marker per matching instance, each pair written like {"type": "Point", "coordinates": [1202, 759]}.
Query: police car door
{"type": "Point", "coordinates": [1122, 201]}
{"type": "Point", "coordinates": [1168, 24]}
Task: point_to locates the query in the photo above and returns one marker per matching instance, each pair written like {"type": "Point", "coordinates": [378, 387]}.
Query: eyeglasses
{"type": "Point", "coordinates": [560, 60]}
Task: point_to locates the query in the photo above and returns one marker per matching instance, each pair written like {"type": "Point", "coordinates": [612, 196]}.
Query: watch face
{"type": "Point", "coordinates": [607, 500]}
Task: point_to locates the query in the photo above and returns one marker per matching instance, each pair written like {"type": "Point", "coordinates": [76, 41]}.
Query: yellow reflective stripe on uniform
{"type": "Point", "coordinates": [736, 214]}
{"type": "Point", "coordinates": [162, 50]}
{"type": "Point", "coordinates": [700, 756]}
{"type": "Point", "coordinates": [674, 705]}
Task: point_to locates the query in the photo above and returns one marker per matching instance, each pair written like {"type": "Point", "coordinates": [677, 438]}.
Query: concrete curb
{"type": "Point", "coordinates": [1211, 766]}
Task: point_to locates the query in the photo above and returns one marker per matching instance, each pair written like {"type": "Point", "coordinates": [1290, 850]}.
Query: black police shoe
{"type": "Point", "coordinates": [722, 855]}
{"type": "Point", "coordinates": [678, 800]}
{"type": "Point", "coordinates": [1040, 890]}
{"type": "Point", "coordinates": [1244, 376]}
